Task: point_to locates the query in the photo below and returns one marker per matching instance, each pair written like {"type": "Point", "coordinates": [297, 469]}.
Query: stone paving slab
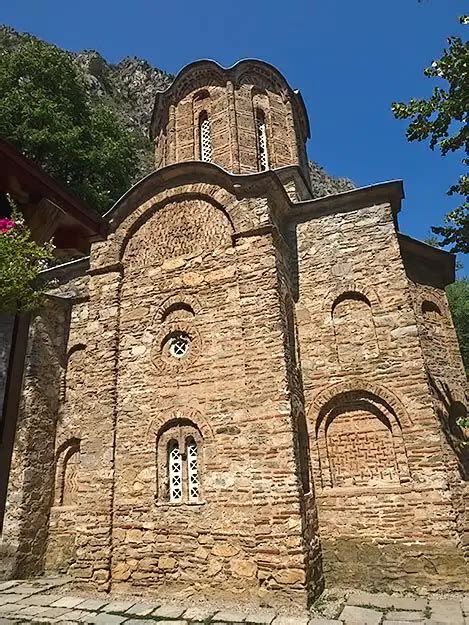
{"type": "Point", "coordinates": [30, 602]}
{"type": "Point", "coordinates": [169, 611]}
{"type": "Point", "coordinates": [290, 620]}
{"type": "Point", "coordinates": [67, 602]}
{"type": "Point", "coordinates": [93, 604]}
{"type": "Point", "coordinates": [263, 617]}
{"type": "Point", "coordinates": [230, 616]}
{"type": "Point", "coordinates": [139, 609]}
{"type": "Point", "coordinates": [118, 606]}
{"type": "Point", "coordinates": [354, 615]}
{"type": "Point", "coordinates": [403, 615]}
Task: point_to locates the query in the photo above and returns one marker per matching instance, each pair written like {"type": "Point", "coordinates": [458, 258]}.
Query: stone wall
{"type": "Point", "coordinates": [386, 514]}
{"type": "Point", "coordinates": [23, 541]}
{"type": "Point", "coordinates": [447, 382]}
{"type": "Point", "coordinates": [187, 270]}
{"type": "Point", "coordinates": [27, 541]}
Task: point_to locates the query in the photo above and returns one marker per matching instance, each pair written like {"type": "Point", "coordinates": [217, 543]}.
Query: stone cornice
{"type": "Point", "coordinates": [382, 193]}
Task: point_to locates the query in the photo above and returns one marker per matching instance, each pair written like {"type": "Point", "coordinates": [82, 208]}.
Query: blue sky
{"type": "Point", "coordinates": [349, 59]}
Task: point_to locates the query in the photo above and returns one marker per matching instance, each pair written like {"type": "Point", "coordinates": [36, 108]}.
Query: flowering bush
{"type": "Point", "coordinates": [6, 224]}
{"type": "Point", "coordinates": [21, 260]}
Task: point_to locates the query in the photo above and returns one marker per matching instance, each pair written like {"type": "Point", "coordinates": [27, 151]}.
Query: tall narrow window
{"type": "Point", "coordinates": [263, 158]}
{"type": "Point", "coordinates": [205, 137]}
{"type": "Point", "coordinates": [175, 472]}
{"type": "Point", "coordinates": [192, 470]}
{"type": "Point", "coordinates": [180, 463]}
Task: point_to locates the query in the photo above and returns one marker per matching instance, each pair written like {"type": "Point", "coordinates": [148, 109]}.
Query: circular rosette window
{"type": "Point", "coordinates": [176, 347]}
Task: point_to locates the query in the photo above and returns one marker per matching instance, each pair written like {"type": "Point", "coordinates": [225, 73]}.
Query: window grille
{"type": "Point", "coordinates": [205, 138]}
{"type": "Point", "coordinates": [263, 158]}
{"type": "Point", "coordinates": [192, 470]}
{"type": "Point", "coordinates": [179, 345]}
{"type": "Point", "coordinates": [175, 472]}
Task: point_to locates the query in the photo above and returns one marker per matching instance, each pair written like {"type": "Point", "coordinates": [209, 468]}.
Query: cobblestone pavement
{"type": "Point", "coordinates": [51, 600]}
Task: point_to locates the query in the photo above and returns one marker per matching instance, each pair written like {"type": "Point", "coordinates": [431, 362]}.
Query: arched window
{"type": "Point", "coordinates": [179, 447]}
{"type": "Point", "coordinates": [205, 137]}
{"type": "Point", "coordinates": [262, 153]}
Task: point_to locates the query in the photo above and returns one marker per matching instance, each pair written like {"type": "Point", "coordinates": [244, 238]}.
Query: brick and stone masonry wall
{"type": "Point", "coordinates": [24, 536]}
{"type": "Point", "coordinates": [386, 514]}
{"type": "Point", "coordinates": [245, 534]}
{"type": "Point", "coordinates": [448, 385]}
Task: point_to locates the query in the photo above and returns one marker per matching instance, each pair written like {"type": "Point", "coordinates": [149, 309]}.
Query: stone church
{"type": "Point", "coordinates": [243, 391]}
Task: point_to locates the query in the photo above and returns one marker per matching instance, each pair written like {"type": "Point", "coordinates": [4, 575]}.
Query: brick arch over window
{"type": "Point", "coordinates": [174, 302]}
{"type": "Point", "coordinates": [356, 438]}
{"type": "Point", "coordinates": [67, 467]}
{"type": "Point", "coordinates": [184, 227]}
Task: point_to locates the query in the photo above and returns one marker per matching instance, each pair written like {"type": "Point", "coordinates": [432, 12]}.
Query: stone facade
{"type": "Point", "coordinates": [244, 392]}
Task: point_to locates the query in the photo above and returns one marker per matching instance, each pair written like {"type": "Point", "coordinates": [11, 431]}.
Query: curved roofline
{"type": "Point", "coordinates": [211, 63]}
{"type": "Point", "coordinates": [194, 169]}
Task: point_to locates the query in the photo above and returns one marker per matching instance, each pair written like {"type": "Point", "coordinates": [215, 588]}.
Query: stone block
{"type": "Point", "coordinates": [141, 609]}
{"type": "Point", "coordinates": [32, 610]}
{"type": "Point", "coordinates": [199, 613]}
{"type": "Point", "coordinates": [43, 599]}
{"type": "Point", "coordinates": [378, 600]}
{"type": "Point", "coordinates": [261, 616]}
{"type": "Point", "coordinates": [169, 611]}
{"type": "Point", "coordinates": [9, 598]}
{"type": "Point", "coordinates": [103, 618]}
{"type": "Point", "coordinates": [118, 606]}
{"type": "Point", "coordinates": [446, 612]}
{"type": "Point", "coordinates": [92, 604]}
{"type": "Point", "coordinates": [323, 621]}
{"type": "Point", "coordinates": [6, 585]}
{"type": "Point", "coordinates": [409, 603]}
{"type": "Point", "coordinates": [405, 616]}
{"type": "Point", "coordinates": [231, 616]}
{"type": "Point", "coordinates": [54, 613]}
{"type": "Point", "coordinates": [290, 620]}
{"type": "Point", "coordinates": [67, 602]}
{"type": "Point", "coordinates": [353, 615]}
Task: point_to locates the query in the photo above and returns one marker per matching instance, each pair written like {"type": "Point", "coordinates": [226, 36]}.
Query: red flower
{"type": "Point", "coordinates": [6, 225]}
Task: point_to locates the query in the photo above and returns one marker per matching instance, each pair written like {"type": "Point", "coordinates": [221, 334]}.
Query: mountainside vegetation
{"type": "Point", "coordinates": [115, 100]}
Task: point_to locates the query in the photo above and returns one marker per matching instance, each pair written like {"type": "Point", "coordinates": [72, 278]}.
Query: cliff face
{"type": "Point", "coordinates": [129, 88]}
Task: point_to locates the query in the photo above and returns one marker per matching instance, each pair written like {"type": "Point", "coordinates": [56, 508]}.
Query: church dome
{"type": "Point", "coordinates": [245, 118]}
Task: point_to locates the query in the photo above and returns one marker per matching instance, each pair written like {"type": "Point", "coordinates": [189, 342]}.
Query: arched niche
{"type": "Point", "coordinates": [354, 328]}
{"type": "Point", "coordinates": [358, 441]}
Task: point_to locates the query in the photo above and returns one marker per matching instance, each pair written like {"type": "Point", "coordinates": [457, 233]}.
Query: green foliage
{"type": "Point", "coordinates": [45, 110]}
{"type": "Point", "coordinates": [21, 260]}
{"type": "Point", "coordinates": [458, 298]}
{"type": "Point", "coordinates": [442, 119]}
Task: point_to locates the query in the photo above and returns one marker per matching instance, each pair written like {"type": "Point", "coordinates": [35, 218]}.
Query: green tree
{"type": "Point", "coordinates": [443, 120]}
{"type": "Point", "coordinates": [458, 298]}
{"type": "Point", "coordinates": [45, 110]}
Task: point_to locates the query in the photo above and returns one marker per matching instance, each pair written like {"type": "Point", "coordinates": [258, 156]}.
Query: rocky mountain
{"type": "Point", "coordinates": [129, 87]}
